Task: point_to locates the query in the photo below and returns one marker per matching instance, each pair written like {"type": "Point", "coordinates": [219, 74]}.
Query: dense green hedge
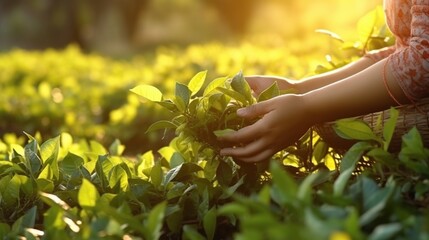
{"type": "Point", "coordinates": [87, 95]}
{"type": "Point", "coordinates": [71, 177]}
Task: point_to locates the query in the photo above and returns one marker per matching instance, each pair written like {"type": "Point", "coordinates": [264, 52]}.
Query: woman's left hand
{"type": "Point", "coordinates": [283, 121]}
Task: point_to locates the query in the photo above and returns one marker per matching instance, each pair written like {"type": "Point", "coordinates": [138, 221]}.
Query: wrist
{"type": "Point", "coordinates": [312, 109]}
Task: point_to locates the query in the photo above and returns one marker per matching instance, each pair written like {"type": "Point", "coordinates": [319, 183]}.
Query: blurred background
{"type": "Point", "coordinates": [68, 65]}
{"type": "Point", "coordinates": [121, 27]}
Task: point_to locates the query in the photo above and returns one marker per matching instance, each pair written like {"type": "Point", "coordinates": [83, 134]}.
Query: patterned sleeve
{"type": "Point", "coordinates": [410, 64]}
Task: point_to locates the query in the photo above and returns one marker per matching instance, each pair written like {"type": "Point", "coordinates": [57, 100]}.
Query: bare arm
{"type": "Point", "coordinates": [287, 117]}
{"type": "Point", "coordinates": [259, 83]}
{"type": "Point", "coordinates": [317, 81]}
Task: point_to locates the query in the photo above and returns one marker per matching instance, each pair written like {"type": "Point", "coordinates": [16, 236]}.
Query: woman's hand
{"type": "Point", "coordinates": [283, 120]}
{"type": "Point", "coordinates": [260, 83]}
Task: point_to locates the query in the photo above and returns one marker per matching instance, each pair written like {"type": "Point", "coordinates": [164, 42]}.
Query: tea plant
{"type": "Point", "coordinates": [200, 117]}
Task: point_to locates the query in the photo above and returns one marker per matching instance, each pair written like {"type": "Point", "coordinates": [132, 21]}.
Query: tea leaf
{"type": "Point", "coordinates": [235, 95]}
{"type": "Point", "coordinates": [50, 149]}
{"type": "Point", "coordinates": [270, 92]}
{"type": "Point", "coordinates": [183, 94]}
{"type": "Point", "coordinates": [341, 181]}
{"type": "Point", "coordinates": [154, 222]}
{"type": "Point", "coordinates": [214, 85]}
{"type": "Point", "coordinates": [26, 221]}
{"type": "Point", "coordinates": [116, 148]}
{"type": "Point", "coordinates": [366, 25]}
{"type": "Point", "coordinates": [355, 129]}
{"type": "Point", "coordinates": [10, 190]}
{"type": "Point", "coordinates": [353, 155]}
{"type": "Point", "coordinates": [149, 92]}
{"type": "Point", "coordinates": [389, 127]}
{"type": "Point", "coordinates": [33, 161]}
{"type": "Point", "coordinates": [87, 195]}
{"type": "Point", "coordinates": [162, 124]}
{"type": "Point", "coordinates": [223, 132]}
{"type": "Point", "coordinates": [284, 190]}
{"type": "Point", "coordinates": [156, 174]}
{"type": "Point", "coordinates": [118, 177]}
{"type": "Point", "coordinates": [192, 234]}
{"type": "Point", "coordinates": [240, 85]}
{"type": "Point", "coordinates": [209, 223]}
{"type": "Point", "coordinates": [385, 231]}
{"type": "Point", "coordinates": [197, 82]}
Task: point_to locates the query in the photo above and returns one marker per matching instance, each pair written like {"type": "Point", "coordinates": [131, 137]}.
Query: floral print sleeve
{"type": "Point", "coordinates": [409, 59]}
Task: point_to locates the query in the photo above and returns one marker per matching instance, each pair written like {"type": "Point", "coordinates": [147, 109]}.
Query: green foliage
{"type": "Point", "coordinates": [69, 188]}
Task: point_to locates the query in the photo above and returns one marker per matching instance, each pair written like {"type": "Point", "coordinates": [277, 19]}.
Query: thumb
{"type": "Point", "coordinates": [253, 111]}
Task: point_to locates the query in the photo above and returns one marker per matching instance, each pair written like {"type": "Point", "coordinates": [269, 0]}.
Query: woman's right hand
{"type": "Point", "coordinates": [259, 83]}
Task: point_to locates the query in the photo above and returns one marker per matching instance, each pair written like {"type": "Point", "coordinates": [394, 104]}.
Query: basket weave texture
{"type": "Point", "coordinates": [410, 115]}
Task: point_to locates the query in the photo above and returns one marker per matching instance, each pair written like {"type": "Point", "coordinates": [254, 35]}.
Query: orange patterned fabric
{"type": "Point", "coordinates": [408, 59]}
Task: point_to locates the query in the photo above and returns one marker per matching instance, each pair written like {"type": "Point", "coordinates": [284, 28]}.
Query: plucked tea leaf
{"type": "Point", "coordinates": [149, 92]}
{"type": "Point", "coordinates": [88, 194]}
{"type": "Point", "coordinates": [197, 82]}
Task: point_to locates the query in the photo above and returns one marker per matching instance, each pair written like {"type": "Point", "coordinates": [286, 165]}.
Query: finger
{"type": "Point", "coordinates": [255, 110]}
{"type": "Point", "coordinates": [243, 135]}
{"type": "Point", "coordinates": [248, 150]}
{"type": "Point", "coordinates": [262, 156]}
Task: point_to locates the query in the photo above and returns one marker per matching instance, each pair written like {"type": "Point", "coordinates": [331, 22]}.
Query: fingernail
{"type": "Point", "coordinates": [241, 111]}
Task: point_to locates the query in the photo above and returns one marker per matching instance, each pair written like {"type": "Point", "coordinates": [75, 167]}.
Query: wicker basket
{"type": "Point", "coordinates": [411, 115]}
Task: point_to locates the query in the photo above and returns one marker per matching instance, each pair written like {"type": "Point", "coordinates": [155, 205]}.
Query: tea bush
{"type": "Point", "coordinates": [55, 184]}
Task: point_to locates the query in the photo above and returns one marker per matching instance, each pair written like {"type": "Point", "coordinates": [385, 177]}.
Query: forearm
{"type": "Point", "coordinates": [359, 94]}
{"type": "Point", "coordinates": [318, 81]}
